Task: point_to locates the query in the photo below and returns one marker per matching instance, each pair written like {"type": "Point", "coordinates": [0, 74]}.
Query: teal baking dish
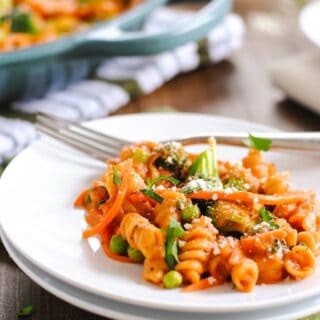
{"type": "Point", "coordinates": [31, 72]}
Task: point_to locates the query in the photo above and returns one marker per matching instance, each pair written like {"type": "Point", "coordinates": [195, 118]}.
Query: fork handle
{"type": "Point", "coordinates": [294, 141]}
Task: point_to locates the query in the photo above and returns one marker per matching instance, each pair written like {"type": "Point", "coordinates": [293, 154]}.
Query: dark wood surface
{"type": "Point", "coordinates": [239, 88]}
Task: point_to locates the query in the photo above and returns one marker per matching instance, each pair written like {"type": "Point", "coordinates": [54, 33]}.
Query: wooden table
{"type": "Point", "coordinates": [239, 88]}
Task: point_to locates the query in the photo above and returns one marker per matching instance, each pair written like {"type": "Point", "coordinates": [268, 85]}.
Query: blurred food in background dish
{"type": "Point", "coordinates": [24, 23]}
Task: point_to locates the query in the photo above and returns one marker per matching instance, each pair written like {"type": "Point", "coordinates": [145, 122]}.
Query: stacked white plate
{"type": "Point", "coordinates": [42, 232]}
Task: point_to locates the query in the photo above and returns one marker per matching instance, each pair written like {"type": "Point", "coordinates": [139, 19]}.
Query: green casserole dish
{"type": "Point", "coordinates": [31, 72]}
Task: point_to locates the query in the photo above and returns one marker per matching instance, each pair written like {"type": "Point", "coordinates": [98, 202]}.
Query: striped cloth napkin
{"type": "Point", "coordinates": [118, 80]}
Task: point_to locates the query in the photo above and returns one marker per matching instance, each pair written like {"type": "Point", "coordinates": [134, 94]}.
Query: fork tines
{"type": "Point", "coordinates": [96, 144]}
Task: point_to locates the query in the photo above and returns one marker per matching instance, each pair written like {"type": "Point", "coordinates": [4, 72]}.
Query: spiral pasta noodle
{"type": "Point", "coordinates": [300, 262]}
{"type": "Point", "coordinates": [197, 249]}
{"type": "Point", "coordinates": [245, 274]}
{"type": "Point", "coordinates": [311, 240]}
{"type": "Point", "coordinates": [154, 270]}
{"type": "Point", "coordinates": [142, 235]}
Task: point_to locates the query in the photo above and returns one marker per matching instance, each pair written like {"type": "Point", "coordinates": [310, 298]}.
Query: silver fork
{"type": "Point", "coordinates": [102, 146]}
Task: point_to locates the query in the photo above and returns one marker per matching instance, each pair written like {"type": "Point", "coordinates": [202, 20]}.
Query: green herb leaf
{"type": "Point", "coordinates": [152, 194]}
{"type": "Point", "coordinates": [87, 198]}
{"type": "Point", "coordinates": [267, 217]}
{"type": "Point", "coordinates": [27, 310]}
{"type": "Point", "coordinates": [174, 231]}
{"type": "Point", "coordinates": [265, 214]}
{"type": "Point", "coordinates": [173, 180]}
{"type": "Point", "coordinates": [274, 225]}
{"type": "Point", "coordinates": [257, 143]}
{"type": "Point", "coordinates": [116, 176]}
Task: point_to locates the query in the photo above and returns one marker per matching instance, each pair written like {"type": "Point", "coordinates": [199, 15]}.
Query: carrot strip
{"type": "Point", "coordinates": [250, 197]}
{"type": "Point", "coordinates": [114, 210]}
{"type": "Point", "coordinates": [192, 156]}
{"type": "Point", "coordinates": [153, 171]}
{"type": "Point", "coordinates": [93, 216]}
{"type": "Point", "coordinates": [105, 240]}
{"type": "Point", "coordinates": [80, 199]}
{"type": "Point", "coordinates": [201, 285]}
{"type": "Point", "coordinates": [140, 197]}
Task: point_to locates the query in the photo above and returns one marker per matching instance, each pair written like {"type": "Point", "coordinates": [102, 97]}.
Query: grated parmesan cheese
{"type": "Point", "coordinates": [181, 243]}
{"type": "Point", "coordinates": [187, 226]}
{"type": "Point", "coordinates": [212, 280]}
{"type": "Point", "coordinates": [214, 197]}
{"type": "Point", "coordinates": [216, 250]}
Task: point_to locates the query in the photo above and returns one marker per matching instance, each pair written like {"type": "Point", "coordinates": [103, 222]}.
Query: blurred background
{"type": "Point", "coordinates": [256, 63]}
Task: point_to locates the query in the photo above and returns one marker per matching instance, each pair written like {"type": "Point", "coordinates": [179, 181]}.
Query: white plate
{"type": "Point", "coordinates": [310, 21]}
{"type": "Point", "coordinates": [38, 188]}
{"type": "Point", "coordinates": [118, 310]}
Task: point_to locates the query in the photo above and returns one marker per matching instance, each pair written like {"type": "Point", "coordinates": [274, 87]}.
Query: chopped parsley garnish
{"type": "Point", "coordinates": [279, 247]}
{"type": "Point", "coordinates": [174, 231]}
{"type": "Point", "coordinates": [116, 176]}
{"type": "Point", "coordinates": [87, 198]}
{"type": "Point", "coordinates": [173, 180]}
{"type": "Point", "coordinates": [266, 216]}
{"type": "Point", "coordinates": [276, 246]}
{"type": "Point", "coordinates": [152, 194]}
{"type": "Point", "coordinates": [257, 143]}
{"type": "Point", "coordinates": [26, 311]}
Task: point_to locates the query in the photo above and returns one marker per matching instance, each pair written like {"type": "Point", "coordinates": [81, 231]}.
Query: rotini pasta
{"type": "Point", "coordinates": [142, 235]}
{"type": "Point", "coordinates": [311, 240]}
{"type": "Point", "coordinates": [196, 249]}
{"type": "Point", "coordinates": [300, 262]}
{"type": "Point", "coordinates": [245, 275]}
{"type": "Point", "coordinates": [197, 222]}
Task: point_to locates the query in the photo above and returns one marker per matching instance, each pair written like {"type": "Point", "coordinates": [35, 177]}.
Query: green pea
{"type": "Point", "coordinates": [190, 212]}
{"type": "Point", "coordinates": [135, 255]}
{"type": "Point", "coordinates": [172, 279]}
{"type": "Point", "coordinates": [118, 245]}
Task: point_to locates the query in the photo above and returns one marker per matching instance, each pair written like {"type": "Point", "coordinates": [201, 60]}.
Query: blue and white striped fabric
{"type": "Point", "coordinates": [94, 98]}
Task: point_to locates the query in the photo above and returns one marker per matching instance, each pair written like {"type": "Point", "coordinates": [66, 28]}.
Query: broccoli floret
{"type": "Point", "coordinates": [231, 217]}
{"type": "Point", "coordinates": [173, 158]}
